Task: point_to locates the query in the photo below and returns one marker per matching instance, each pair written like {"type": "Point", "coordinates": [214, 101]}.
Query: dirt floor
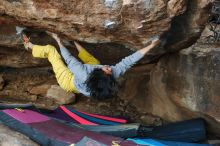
{"type": "Point", "coordinates": [19, 81]}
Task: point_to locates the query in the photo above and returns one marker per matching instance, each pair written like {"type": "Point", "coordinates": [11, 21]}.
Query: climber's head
{"type": "Point", "coordinates": [101, 85]}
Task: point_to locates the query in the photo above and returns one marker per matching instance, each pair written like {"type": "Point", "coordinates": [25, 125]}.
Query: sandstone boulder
{"type": "Point", "coordinates": [127, 22]}
{"type": "Point", "coordinates": [187, 84]}
{"type": "Point", "coordinates": [176, 86]}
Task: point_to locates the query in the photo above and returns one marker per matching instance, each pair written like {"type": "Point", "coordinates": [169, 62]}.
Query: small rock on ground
{"type": "Point", "coordinates": [59, 95]}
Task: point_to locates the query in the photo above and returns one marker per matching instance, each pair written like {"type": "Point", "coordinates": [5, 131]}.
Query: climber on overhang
{"type": "Point", "coordinates": [89, 78]}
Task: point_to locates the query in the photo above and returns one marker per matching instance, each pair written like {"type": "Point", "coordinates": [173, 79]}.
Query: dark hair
{"type": "Point", "coordinates": [101, 85]}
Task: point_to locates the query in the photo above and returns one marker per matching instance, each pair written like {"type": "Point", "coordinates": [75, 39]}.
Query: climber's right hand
{"type": "Point", "coordinates": [156, 42]}
{"type": "Point", "coordinates": [55, 36]}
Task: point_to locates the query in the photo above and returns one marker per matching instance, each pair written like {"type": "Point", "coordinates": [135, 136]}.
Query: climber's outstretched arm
{"type": "Point", "coordinates": [78, 46]}
{"type": "Point", "coordinates": [126, 63]}
{"type": "Point", "coordinates": [145, 50]}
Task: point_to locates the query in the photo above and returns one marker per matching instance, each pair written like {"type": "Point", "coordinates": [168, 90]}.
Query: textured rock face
{"type": "Point", "coordinates": [10, 137]}
{"type": "Point", "coordinates": [176, 7]}
{"type": "Point", "coordinates": [187, 84]}
{"type": "Point", "coordinates": [128, 22]}
{"type": "Point", "coordinates": [2, 82]}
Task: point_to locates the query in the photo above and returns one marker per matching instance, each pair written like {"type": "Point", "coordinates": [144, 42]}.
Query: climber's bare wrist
{"type": "Point", "coordinates": [78, 46]}
{"type": "Point", "coordinates": [55, 36]}
{"type": "Point", "coordinates": [145, 50]}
